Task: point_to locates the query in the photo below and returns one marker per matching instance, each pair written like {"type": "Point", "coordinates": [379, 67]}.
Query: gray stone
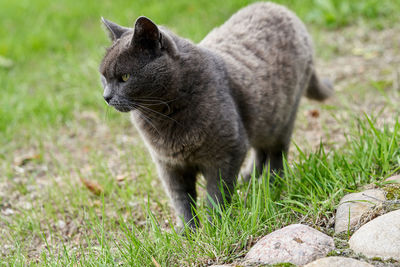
{"type": "Point", "coordinates": [338, 262]}
{"type": "Point", "coordinates": [354, 206]}
{"type": "Point", "coordinates": [296, 243]}
{"type": "Point", "coordinates": [379, 237]}
{"type": "Point", "coordinates": [8, 211]}
{"type": "Point", "coordinates": [61, 224]}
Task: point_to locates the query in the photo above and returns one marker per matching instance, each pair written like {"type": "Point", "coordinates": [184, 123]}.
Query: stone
{"type": "Point", "coordinates": [394, 179]}
{"type": "Point", "coordinates": [297, 244]}
{"type": "Point", "coordinates": [8, 212]}
{"type": "Point", "coordinates": [26, 205]}
{"type": "Point", "coordinates": [338, 262]}
{"type": "Point", "coordinates": [359, 204]}
{"type": "Point", "coordinates": [379, 237]}
{"type": "Point", "coordinates": [61, 224]}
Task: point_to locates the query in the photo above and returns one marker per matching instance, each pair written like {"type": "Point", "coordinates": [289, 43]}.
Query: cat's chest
{"type": "Point", "coordinates": [174, 149]}
{"type": "Point", "coordinates": [172, 143]}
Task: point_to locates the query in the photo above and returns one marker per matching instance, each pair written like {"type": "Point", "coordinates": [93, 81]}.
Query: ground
{"type": "Point", "coordinates": [78, 186]}
{"type": "Point", "coordinates": [365, 67]}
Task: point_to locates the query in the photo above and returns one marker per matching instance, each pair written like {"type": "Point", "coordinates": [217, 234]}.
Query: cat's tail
{"type": "Point", "coordinates": [319, 89]}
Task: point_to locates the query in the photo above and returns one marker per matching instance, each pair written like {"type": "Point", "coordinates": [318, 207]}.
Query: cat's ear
{"type": "Point", "coordinates": [114, 30]}
{"type": "Point", "coordinates": [146, 33]}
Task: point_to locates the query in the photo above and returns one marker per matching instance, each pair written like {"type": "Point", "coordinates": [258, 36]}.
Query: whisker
{"type": "Point", "coordinates": [141, 114]}
{"type": "Point", "coordinates": [145, 113]}
{"type": "Point", "coordinates": [149, 122]}
{"type": "Point", "coordinates": [149, 110]}
{"type": "Point", "coordinates": [159, 113]}
{"type": "Point", "coordinates": [157, 102]}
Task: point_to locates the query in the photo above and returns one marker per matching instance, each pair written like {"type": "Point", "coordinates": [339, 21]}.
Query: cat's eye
{"type": "Point", "coordinates": [125, 77]}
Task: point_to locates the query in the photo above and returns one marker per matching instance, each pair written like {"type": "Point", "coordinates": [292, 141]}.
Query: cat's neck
{"type": "Point", "coordinates": [199, 68]}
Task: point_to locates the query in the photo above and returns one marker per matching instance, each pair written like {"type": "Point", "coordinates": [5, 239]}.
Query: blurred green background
{"type": "Point", "coordinates": [50, 50]}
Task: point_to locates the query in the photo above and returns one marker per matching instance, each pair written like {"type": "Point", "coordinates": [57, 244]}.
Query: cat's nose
{"type": "Point", "coordinates": [107, 98]}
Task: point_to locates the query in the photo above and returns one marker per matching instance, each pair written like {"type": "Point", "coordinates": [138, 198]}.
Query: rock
{"type": "Point", "coordinates": [338, 262]}
{"type": "Point", "coordinates": [394, 179]}
{"type": "Point", "coordinates": [297, 244]}
{"type": "Point", "coordinates": [8, 212]}
{"type": "Point", "coordinates": [26, 205]}
{"type": "Point", "coordinates": [61, 224]}
{"type": "Point", "coordinates": [379, 237]}
{"type": "Point", "coordinates": [359, 204]}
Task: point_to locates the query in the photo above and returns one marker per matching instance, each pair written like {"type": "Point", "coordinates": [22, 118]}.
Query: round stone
{"type": "Point", "coordinates": [379, 237]}
{"type": "Point", "coordinates": [338, 262]}
{"type": "Point", "coordinates": [297, 244]}
{"type": "Point", "coordinates": [353, 206]}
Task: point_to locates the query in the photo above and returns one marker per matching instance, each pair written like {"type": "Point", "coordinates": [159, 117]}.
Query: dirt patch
{"type": "Point", "coordinates": [365, 70]}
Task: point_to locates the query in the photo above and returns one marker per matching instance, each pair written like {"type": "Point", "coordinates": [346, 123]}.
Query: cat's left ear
{"type": "Point", "coordinates": [114, 30]}
{"type": "Point", "coordinates": [146, 33]}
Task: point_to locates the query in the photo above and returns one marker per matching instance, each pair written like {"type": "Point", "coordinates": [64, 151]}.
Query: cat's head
{"type": "Point", "coordinates": [139, 68]}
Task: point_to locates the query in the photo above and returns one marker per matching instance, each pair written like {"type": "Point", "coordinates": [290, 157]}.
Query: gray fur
{"type": "Point", "coordinates": [200, 108]}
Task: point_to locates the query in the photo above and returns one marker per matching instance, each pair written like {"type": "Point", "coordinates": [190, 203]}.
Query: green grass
{"type": "Point", "coordinates": [310, 190]}
{"type": "Point", "coordinates": [52, 105]}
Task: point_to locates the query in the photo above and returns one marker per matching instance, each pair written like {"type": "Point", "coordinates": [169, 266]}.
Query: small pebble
{"type": "Point", "coordinates": [61, 224]}
{"type": "Point", "coordinates": [8, 211]}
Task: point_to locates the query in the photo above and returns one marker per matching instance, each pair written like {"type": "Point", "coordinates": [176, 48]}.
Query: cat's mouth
{"type": "Point", "coordinates": [120, 105]}
{"type": "Point", "coordinates": [122, 108]}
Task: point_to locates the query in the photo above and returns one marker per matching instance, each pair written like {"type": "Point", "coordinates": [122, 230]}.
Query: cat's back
{"type": "Point", "coordinates": [259, 31]}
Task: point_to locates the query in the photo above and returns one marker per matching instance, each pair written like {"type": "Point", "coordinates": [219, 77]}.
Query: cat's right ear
{"type": "Point", "coordinates": [146, 34]}
{"type": "Point", "coordinates": [114, 30]}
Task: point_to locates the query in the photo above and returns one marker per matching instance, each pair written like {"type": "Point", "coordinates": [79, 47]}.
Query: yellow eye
{"type": "Point", "coordinates": [125, 77]}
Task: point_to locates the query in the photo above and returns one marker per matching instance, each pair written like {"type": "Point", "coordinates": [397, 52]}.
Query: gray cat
{"type": "Point", "coordinates": [200, 108]}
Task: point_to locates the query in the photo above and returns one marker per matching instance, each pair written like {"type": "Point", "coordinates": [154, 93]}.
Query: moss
{"type": "Point", "coordinates": [341, 246]}
{"type": "Point", "coordinates": [335, 252]}
{"type": "Point", "coordinates": [284, 264]}
{"type": "Point", "coordinates": [341, 240]}
{"type": "Point", "coordinates": [388, 261]}
{"type": "Point", "coordinates": [392, 191]}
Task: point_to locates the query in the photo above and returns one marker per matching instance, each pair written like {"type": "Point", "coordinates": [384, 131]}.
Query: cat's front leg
{"type": "Point", "coordinates": [221, 179]}
{"type": "Point", "coordinates": [180, 185]}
